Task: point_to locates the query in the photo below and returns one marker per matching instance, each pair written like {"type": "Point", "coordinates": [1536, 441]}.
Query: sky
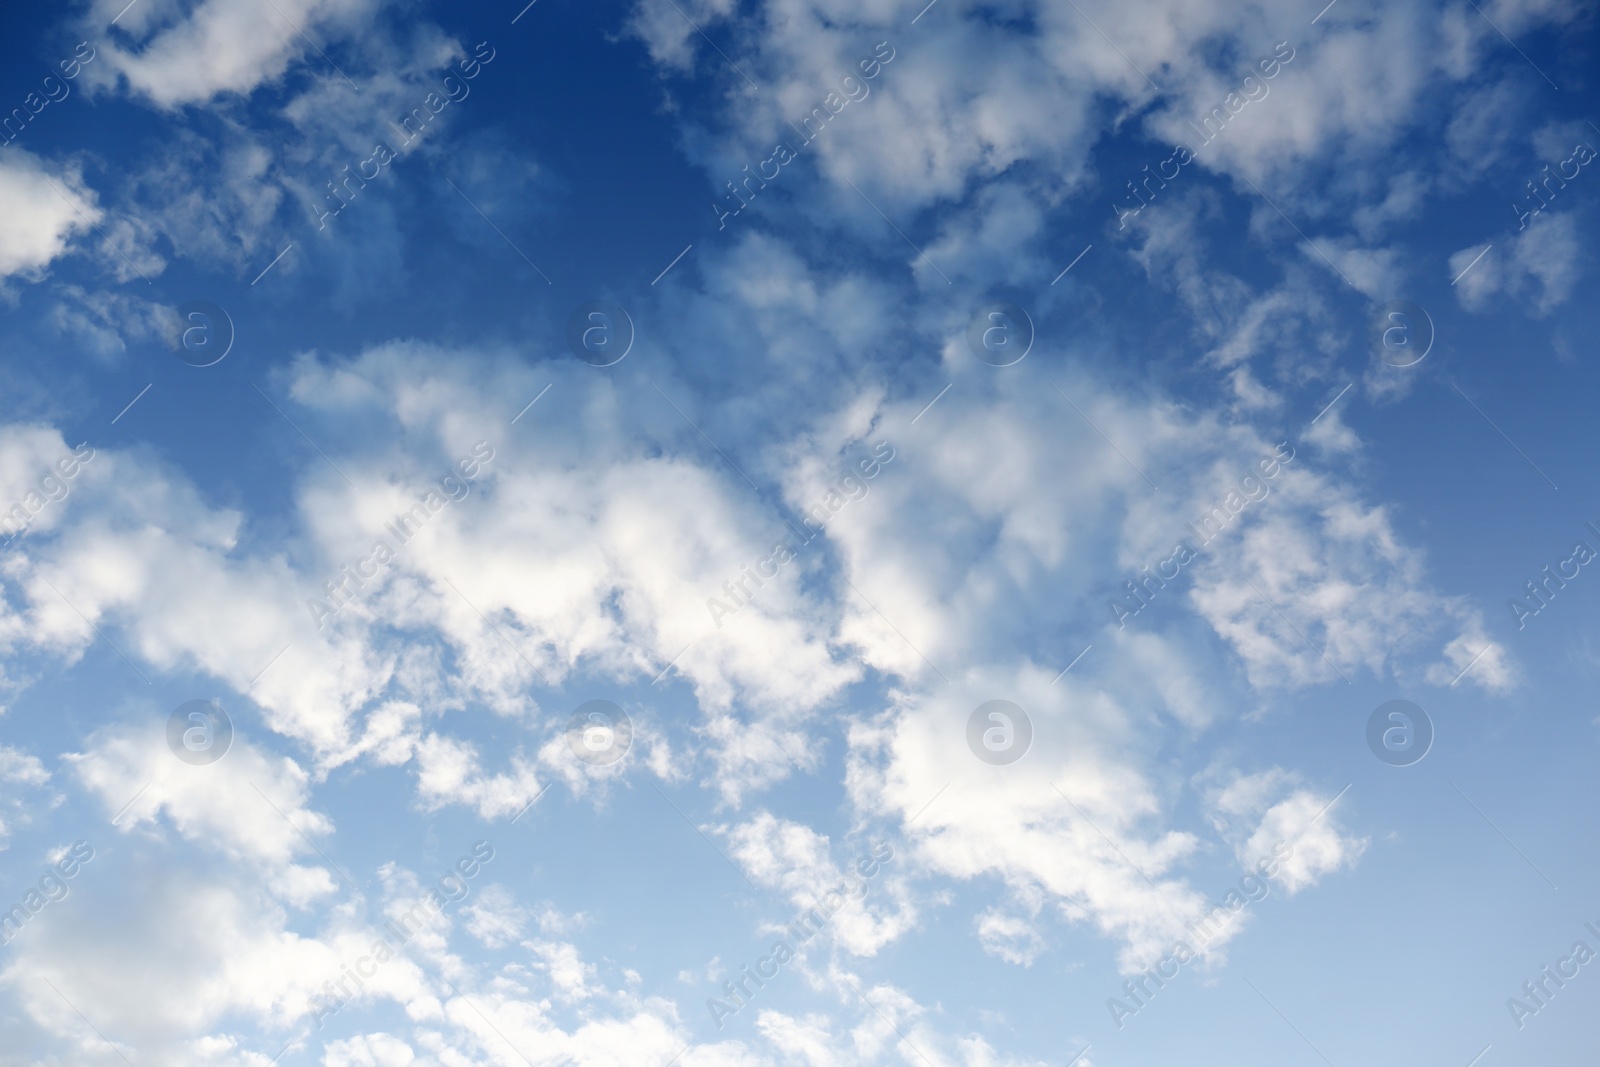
{"type": "Point", "coordinates": [799, 533]}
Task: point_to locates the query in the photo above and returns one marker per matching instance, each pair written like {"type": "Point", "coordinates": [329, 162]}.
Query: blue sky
{"type": "Point", "coordinates": [801, 534]}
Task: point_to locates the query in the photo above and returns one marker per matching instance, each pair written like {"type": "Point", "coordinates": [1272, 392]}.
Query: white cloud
{"type": "Point", "coordinates": [670, 35]}
{"type": "Point", "coordinates": [144, 552]}
{"type": "Point", "coordinates": [1012, 937]}
{"type": "Point", "coordinates": [1549, 258]}
{"type": "Point", "coordinates": [448, 771]}
{"type": "Point", "coordinates": [18, 769]}
{"type": "Point", "coordinates": [1538, 265]}
{"type": "Point", "coordinates": [252, 807]}
{"type": "Point", "coordinates": [795, 858]}
{"type": "Point", "coordinates": [1492, 664]}
{"type": "Point", "coordinates": [591, 540]}
{"type": "Point", "coordinates": [105, 321]}
{"type": "Point", "coordinates": [966, 98]}
{"type": "Point", "coordinates": [495, 918]}
{"type": "Point", "coordinates": [369, 1050]}
{"type": "Point", "coordinates": [1302, 820]}
{"type": "Point", "coordinates": [45, 208]}
{"type": "Point", "coordinates": [638, 1035]}
{"type": "Point", "coordinates": [1320, 584]}
{"type": "Point", "coordinates": [974, 566]}
{"type": "Point", "coordinates": [218, 47]}
{"type": "Point", "coordinates": [1074, 819]}
{"type": "Point", "coordinates": [586, 558]}
{"type": "Point", "coordinates": [224, 952]}
{"type": "Point", "coordinates": [1485, 123]}
{"type": "Point", "coordinates": [18, 766]}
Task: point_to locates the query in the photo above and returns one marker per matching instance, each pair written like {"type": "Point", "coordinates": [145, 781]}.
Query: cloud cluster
{"type": "Point", "coordinates": [977, 568]}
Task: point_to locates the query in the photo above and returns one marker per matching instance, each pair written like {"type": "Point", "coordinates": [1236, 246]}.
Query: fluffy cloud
{"type": "Point", "coordinates": [1012, 937]}
{"type": "Point", "coordinates": [159, 976]}
{"type": "Point", "coordinates": [966, 98]}
{"type": "Point", "coordinates": [47, 206]}
{"type": "Point", "coordinates": [265, 825]}
{"type": "Point", "coordinates": [606, 537]}
{"type": "Point", "coordinates": [18, 766]}
{"type": "Point", "coordinates": [20, 773]}
{"type": "Point", "coordinates": [495, 918]}
{"type": "Point", "coordinates": [576, 549]}
{"type": "Point", "coordinates": [1320, 584]}
{"type": "Point", "coordinates": [1075, 820]}
{"type": "Point", "coordinates": [190, 57]}
{"type": "Point", "coordinates": [794, 858]}
{"type": "Point", "coordinates": [1260, 813]}
{"type": "Point", "coordinates": [582, 548]}
{"type": "Point", "coordinates": [369, 1050]}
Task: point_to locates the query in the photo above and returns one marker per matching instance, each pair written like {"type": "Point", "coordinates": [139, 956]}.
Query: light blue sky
{"type": "Point", "coordinates": [785, 517]}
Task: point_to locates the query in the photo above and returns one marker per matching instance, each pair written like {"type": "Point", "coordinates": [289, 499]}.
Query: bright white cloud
{"type": "Point", "coordinates": [253, 809]}
{"type": "Point", "coordinates": [46, 207]}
